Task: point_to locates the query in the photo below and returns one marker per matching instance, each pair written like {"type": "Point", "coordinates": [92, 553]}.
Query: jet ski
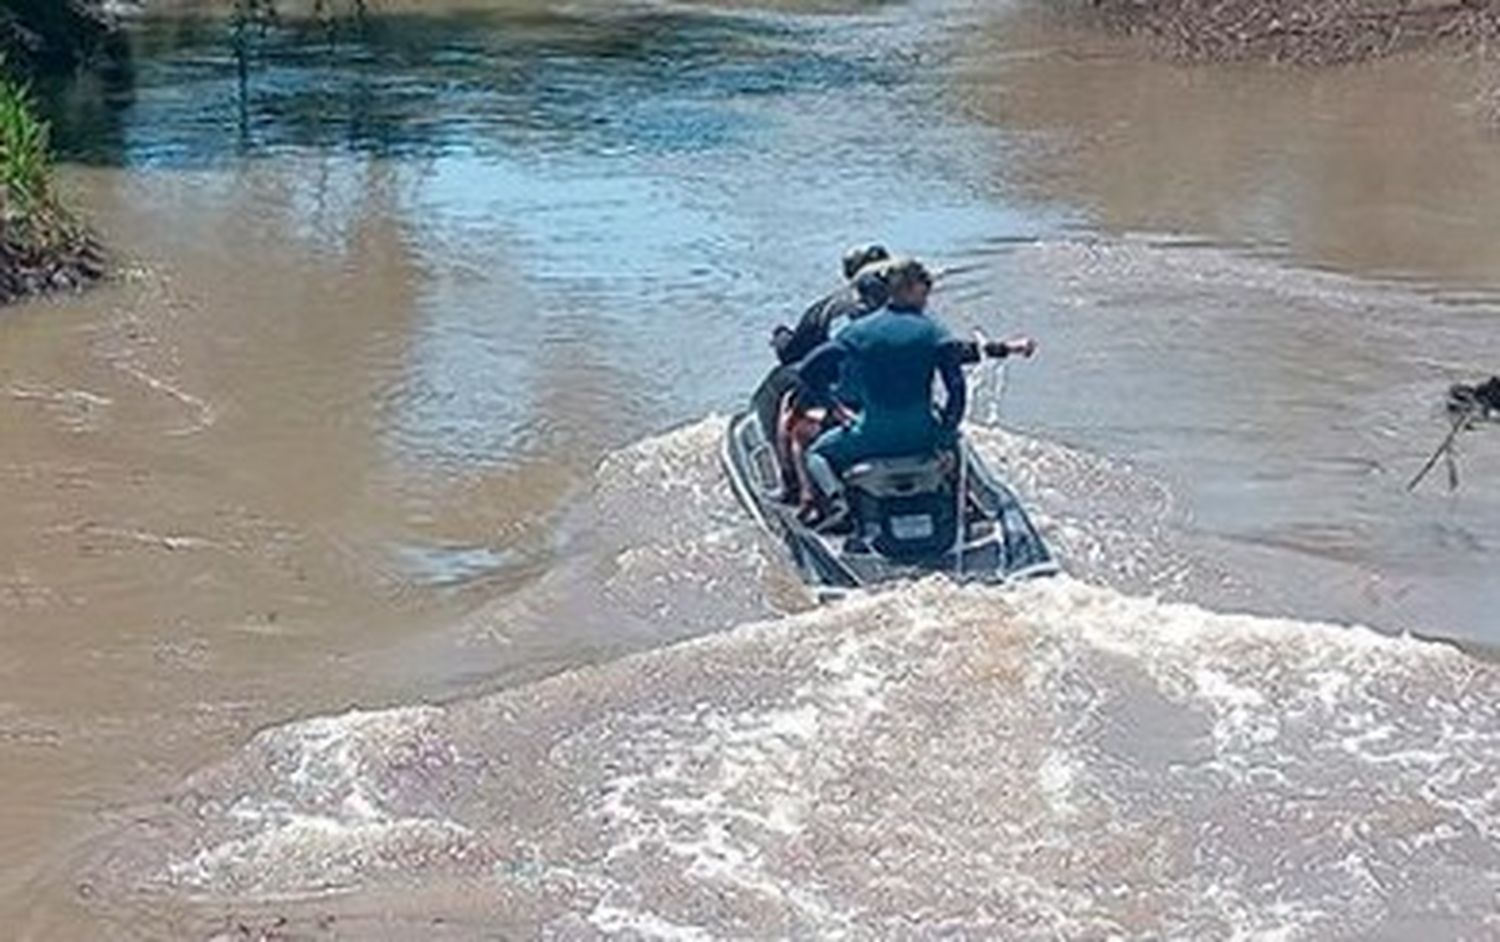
{"type": "Point", "coordinates": [909, 516]}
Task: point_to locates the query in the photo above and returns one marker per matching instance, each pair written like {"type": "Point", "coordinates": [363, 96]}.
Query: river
{"type": "Point", "coordinates": [368, 572]}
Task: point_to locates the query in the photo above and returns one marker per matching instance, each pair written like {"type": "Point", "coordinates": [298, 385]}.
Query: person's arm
{"type": "Point", "coordinates": [975, 352]}
{"type": "Point", "coordinates": [781, 335]}
{"type": "Point", "coordinates": [1014, 347]}
{"type": "Point", "coordinates": [951, 358]}
{"type": "Point", "coordinates": [818, 372]}
{"type": "Point", "coordinates": [811, 330]}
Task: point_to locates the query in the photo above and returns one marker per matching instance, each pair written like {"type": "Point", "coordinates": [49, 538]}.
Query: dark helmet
{"type": "Point", "coordinates": [862, 255]}
{"type": "Point", "coordinates": [872, 283]}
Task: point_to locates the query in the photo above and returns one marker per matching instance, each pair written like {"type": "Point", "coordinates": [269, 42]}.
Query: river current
{"type": "Point", "coordinates": [368, 571]}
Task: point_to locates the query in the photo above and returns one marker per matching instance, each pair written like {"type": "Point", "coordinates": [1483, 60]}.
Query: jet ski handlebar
{"type": "Point", "coordinates": [979, 349]}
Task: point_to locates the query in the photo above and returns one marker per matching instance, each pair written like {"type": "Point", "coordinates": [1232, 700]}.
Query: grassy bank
{"type": "Point", "coordinates": [42, 246]}
{"type": "Point", "coordinates": [1304, 32]}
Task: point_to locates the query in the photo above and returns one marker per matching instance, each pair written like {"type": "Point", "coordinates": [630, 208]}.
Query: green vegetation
{"type": "Point", "coordinates": [42, 247]}
{"type": "Point", "coordinates": [30, 211]}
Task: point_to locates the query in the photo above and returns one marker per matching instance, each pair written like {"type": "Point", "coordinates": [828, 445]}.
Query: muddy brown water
{"type": "Point", "coordinates": [334, 437]}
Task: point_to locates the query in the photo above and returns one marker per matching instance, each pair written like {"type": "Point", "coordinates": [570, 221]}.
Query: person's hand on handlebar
{"type": "Point", "coordinates": [1015, 347]}
{"type": "Point", "coordinates": [1020, 347]}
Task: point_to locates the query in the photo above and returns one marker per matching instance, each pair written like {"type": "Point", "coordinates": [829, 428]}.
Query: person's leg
{"type": "Point", "coordinates": [797, 432]}
{"type": "Point", "coordinates": [823, 481]}
{"type": "Point", "coordinates": [786, 455]}
{"type": "Point", "coordinates": [818, 476]}
{"type": "Point", "coordinates": [768, 397]}
{"type": "Point", "coordinates": [833, 452]}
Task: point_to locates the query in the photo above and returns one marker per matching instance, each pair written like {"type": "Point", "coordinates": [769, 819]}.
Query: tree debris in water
{"type": "Point", "coordinates": [1303, 32]}
{"type": "Point", "coordinates": [1467, 407]}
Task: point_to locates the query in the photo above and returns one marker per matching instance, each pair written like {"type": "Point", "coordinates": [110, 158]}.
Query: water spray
{"type": "Point", "coordinates": [994, 382]}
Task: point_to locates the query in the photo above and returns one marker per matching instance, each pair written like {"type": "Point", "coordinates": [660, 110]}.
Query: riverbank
{"type": "Point", "coordinates": [43, 246]}
{"type": "Point", "coordinates": [1303, 32]}
{"type": "Point", "coordinates": [27, 271]}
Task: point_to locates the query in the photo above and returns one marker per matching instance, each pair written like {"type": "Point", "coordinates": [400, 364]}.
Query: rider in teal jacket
{"type": "Point", "coordinates": [883, 365]}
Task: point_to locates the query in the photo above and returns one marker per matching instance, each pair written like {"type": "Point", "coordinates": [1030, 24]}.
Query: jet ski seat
{"type": "Point", "coordinates": [900, 477]}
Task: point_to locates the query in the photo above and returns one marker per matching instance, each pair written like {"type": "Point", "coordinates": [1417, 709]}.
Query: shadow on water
{"type": "Point", "coordinates": [396, 84]}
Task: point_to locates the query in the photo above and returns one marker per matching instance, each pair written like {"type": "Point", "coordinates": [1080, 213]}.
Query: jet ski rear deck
{"type": "Point", "coordinates": [905, 521]}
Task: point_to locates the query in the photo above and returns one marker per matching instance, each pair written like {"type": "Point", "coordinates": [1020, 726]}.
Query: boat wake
{"type": "Point", "coordinates": [1063, 758]}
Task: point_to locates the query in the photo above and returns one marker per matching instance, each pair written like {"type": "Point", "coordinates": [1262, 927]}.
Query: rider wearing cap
{"type": "Point", "coordinates": [885, 361]}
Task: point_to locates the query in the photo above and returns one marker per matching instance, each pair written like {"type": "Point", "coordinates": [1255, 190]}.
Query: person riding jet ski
{"type": "Point", "coordinates": [864, 291]}
{"type": "Point", "coordinates": [886, 363]}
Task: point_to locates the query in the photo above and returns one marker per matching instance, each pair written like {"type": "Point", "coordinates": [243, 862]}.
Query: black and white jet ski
{"type": "Point", "coordinates": [908, 516]}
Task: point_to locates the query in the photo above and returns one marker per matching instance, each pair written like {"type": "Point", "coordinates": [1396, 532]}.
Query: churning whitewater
{"type": "Point", "coordinates": [1070, 758]}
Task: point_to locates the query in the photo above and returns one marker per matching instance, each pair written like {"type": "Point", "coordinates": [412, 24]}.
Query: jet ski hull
{"type": "Point", "coordinates": [996, 541]}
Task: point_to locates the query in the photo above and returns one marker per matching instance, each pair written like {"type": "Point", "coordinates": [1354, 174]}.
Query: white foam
{"type": "Point", "coordinates": [1056, 759]}
{"type": "Point", "coordinates": [322, 824]}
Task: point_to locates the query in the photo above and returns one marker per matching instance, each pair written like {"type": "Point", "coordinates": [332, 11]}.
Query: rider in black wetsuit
{"type": "Point", "coordinates": [865, 291]}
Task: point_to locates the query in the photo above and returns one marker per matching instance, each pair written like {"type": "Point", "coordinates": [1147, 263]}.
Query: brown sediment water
{"type": "Point", "coordinates": [1305, 33]}
{"type": "Point", "coordinates": [198, 532]}
{"type": "Point", "coordinates": [382, 412]}
{"type": "Point", "coordinates": [1380, 170]}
